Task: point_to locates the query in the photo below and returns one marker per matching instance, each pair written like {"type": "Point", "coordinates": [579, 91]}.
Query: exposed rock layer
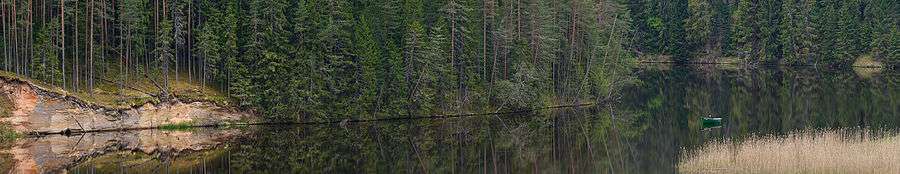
{"type": "Point", "coordinates": [38, 111]}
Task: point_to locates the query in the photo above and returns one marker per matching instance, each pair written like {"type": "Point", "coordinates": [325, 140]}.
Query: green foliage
{"type": "Point", "coordinates": [660, 27]}
{"type": "Point", "coordinates": [7, 134]}
{"type": "Point", "coordinates": [45, 65]}
{"type": "Point", "coordinates": [182, 126]}
{"type": "Point", "coordinates": [518, 92]}
{"type": "Point", "coordinates": [796, 32]}
{"type": "Point", "coordinates": [881, 21]}
{"type": "Point", "coordinates": [165, 53]}
{"type": "Point", "coordinates": [742, 31]}
{"type": "Point", "coordinates": [655, 23]}
{"type": "Point", "coordinates": [336, 59]}
{"type": "Point", "coordinates": [217, 39]}
{"type": "Point", "coordinates": [699, 25]}
{"type": "Point", "coordinates": [372, 62]}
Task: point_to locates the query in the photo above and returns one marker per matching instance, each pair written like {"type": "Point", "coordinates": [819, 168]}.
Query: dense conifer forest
{"type": "Point", "coordinates": [322, 59]}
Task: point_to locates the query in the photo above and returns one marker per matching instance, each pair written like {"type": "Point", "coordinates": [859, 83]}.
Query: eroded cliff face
{"type": "Point", "coordinates": [23, 100]}
{"type": "Point", "coordinates": [38, 111]}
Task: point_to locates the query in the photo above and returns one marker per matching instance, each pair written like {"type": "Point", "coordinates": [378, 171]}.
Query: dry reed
{"type": "Point", "coordinates": [834, 151]}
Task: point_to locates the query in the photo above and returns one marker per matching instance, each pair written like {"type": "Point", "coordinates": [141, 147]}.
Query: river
{"type": "Point", "coordinates": [790, 114]}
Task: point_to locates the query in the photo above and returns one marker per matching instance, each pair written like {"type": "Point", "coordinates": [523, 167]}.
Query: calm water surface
{"type": "Point", "coordinates": [656, 123]}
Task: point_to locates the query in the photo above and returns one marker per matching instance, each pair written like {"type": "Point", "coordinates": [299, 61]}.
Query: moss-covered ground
{"type": "Point", "coordinates": [135, 91]}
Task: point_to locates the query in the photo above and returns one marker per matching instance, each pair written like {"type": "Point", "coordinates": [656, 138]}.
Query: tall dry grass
{"type": "Point", "coordinates": [836, 151]}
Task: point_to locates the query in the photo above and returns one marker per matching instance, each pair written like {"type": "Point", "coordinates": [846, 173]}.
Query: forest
{"type": "Point", "coordinates": [327, 59]}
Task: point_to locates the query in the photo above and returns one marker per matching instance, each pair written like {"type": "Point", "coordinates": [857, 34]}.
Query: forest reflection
{"type": "Point", "coordinates": [655, 123]}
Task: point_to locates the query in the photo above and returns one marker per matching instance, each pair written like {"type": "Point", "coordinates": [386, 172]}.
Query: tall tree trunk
{"type": "Point", "coordinates": [155, 34]}
{"type": "Point", "coordinates": [484, 21]}
{"type": "Point", "coordinates": [44, 53]}
{"type": "Point", "coordinates": [104, 41]}
{"type": "Point", "coordinates": [28, 40]}
{"type": "Point", "coordinates": [30, 37]}
{"type": "Point", "coordinates": [15, 35]}
{"type": "Point", "coordinates": [455, 62]}
{"type": "Point", "coordinates": [5, 35]}
{"type": "Point", "coordinates": [90, 22]}
{"type": "Point", "coordinates": [572, 47]}
{"type": "Point", "coordinates": [166, 61]}
{"type": "Point", "coordinates": [14, 39]}
{"type": "Point", "coordinates": [7, 18]}
{"type": "Point", "coordinates": [123, 64]}
{"type": "Point", "coordinates": [62, 31]}
{"type": "Point", "coordinates": [155, 53]}
{"type": "Point", "coordinates": [174, 38]}
{"type": "Point", "coordinates": [30, 33]}
{"type": "Point", "coordinates": [190, 55]}
{"type": "Point", "coordinates": [75, 60]}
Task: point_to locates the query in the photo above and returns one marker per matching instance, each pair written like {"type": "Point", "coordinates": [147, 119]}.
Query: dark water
{"type": "Point", "coordinates": [656, 121]}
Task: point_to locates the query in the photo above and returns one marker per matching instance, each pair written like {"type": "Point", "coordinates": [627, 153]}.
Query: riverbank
{"type": "Point", "coordinates": [37, 109]}
{"type": "Point", "coordinates": [866, 62]}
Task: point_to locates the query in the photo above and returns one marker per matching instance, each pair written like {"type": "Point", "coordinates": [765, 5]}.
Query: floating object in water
{"type": "Point", "coordinates": [710, 122]}
{"type": "Point", "coordinates": [707, 120]}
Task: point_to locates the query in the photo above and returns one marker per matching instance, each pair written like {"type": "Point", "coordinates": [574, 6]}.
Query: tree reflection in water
{"type": "Point", "coordinates": [648, 131]}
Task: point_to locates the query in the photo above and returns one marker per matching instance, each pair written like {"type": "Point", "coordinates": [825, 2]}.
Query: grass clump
{"type": "Point", "coordinates": [182, 126]}
{"type": "Point", "coordinates": [7, 134]}
{"type": "Point", "coordinates": [6, 106]}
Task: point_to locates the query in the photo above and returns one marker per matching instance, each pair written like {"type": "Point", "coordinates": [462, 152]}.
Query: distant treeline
{"type": "Point", "coordinates": [806, 32]}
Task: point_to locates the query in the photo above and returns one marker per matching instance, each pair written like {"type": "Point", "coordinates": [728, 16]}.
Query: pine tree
{"type": "Point", "coordinates": [164, 50]}
{"type": "Point", "coordinates": [744, 37]}
{"type": "Point", "coordinates": [413, 54]}
{"type": "Point", "coordinates": [699, 25]}
{"type": "Point", "coordinates": [790, 30]}
{"type": "Point", "coordinates": [339, 65]}
{"type": "Point", "coordinates": [369, 54]}
{"type": "Point", "coordinates": [46, 65]}
{"type": "Point", "coordinates": [885, 40]}
{"type": "Point", "coordinates": [436, 71]}
{"type": "Point", "coordinates": [274, 60]}
{"type": "Point", "coordinates": [455, 17]}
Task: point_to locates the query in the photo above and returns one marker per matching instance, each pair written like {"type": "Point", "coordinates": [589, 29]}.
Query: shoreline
{"type": "Point", "coordinates": [56, 104]}
{"type": "Point", "coordinates": [760, 65]}
{"type": "Point", "coordinates": [226, 124]}
{"type": "Point", "coordinates": [38, 110]}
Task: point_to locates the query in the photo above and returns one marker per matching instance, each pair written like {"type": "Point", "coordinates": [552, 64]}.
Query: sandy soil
{"type": "Point", "coordinates": [23, 99]}
{"type": "Point", "coordinates": [38, 113]}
